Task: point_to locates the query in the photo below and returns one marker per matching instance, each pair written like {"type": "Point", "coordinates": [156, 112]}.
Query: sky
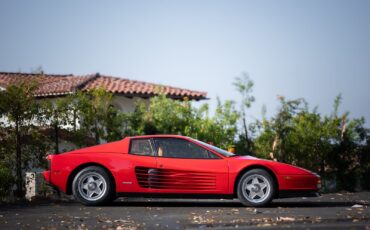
{"type": "Point", "coordinates": [312, 49]}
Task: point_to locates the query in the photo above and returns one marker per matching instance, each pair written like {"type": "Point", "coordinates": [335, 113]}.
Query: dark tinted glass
{"type": "Point", "coordinates": [179, 148]}
{"type": "Point", "coordinates": [216, 149]}
{"type": "Point", "coordinates": [141, 147]}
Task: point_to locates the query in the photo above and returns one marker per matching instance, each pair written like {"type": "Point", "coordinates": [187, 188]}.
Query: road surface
{"type": "Point", "coordinates": [330, 211]}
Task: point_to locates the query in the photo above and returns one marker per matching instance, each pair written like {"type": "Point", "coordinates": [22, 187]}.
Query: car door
{"type": "Point", "coordinates": [187, 167]}
{"type": "Point", "coordinates": [141, 157]}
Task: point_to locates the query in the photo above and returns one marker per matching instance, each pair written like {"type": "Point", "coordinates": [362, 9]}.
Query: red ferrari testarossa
{"type": "Point", "coordinates": [174, 166]}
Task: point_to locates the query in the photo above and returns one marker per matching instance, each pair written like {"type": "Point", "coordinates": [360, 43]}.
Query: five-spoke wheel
{"type": "Point", "coordinates": [256, 188]}
{"type": "Point", "coordinates": [92, 186]}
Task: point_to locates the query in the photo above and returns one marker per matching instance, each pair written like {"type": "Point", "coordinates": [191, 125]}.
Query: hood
{"type": "Point", "coordinates": [278, 167]}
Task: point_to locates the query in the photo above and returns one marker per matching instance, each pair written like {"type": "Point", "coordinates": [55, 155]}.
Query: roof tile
{"type": "Point", "coordinates": [54, 85]}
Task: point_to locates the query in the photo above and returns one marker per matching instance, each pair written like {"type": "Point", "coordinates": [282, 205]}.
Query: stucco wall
{"type": "Point", "coordinates": [126, 104]}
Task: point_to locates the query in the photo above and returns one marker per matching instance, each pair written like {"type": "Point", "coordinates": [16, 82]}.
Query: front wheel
{"type": "Point", "coordinates": [93, 186]}
{"type": "Point", "coordinates": [256, 188]}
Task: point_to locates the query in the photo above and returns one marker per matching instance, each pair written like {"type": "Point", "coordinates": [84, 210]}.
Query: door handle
{"type": "Point", "coordinates": [161, 166]}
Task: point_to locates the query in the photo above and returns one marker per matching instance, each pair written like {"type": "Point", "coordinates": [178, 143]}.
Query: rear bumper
{"type": "Point", "coordinates": [298, 193]}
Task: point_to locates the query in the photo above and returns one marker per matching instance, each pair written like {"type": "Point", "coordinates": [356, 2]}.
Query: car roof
{"type": "Point", "coordinates": [160, 135]}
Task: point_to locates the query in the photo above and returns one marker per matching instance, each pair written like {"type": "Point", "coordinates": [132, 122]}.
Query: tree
{"type": "Point", "coordinates": [244, 85]}
{"type": "Point", "coordinates": [19, 108]}
{"type": "Point", "coordinates": [225, 119]}
{"type": "Point", "coordinates": [282, 125]}
{"type": "Point", "coordinates": [166, 116]}
{"type": "Point", "coordinates": [58, 113]}
{"type": "Point", "coordinates": [350, 156]}
{"type": "Point", "coordinates": [329, 144]}
{"type": "Point", "coordinates": [97, 117]}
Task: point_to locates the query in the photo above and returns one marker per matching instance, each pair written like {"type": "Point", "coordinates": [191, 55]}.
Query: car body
{"type": "Point", "coordinates": [174, 166]}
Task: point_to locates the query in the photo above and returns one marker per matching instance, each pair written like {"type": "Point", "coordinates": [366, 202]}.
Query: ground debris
{"type": "Point", "coordinates": [198, 219]}
{"type": "Point", "coordinates": [285, 218]}
{"type": "Point", "coordinates": [255, 211]}
{"type": "Point", "coordinates": [228, 214]}
{"type": "Point", "coordinates": [122, 221]}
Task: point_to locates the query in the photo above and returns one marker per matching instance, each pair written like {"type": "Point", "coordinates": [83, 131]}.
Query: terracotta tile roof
{"type": "Point", "coordinates": [57, 85]}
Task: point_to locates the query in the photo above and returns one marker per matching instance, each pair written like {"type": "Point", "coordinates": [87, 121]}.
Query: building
{"type": "Point", "coordinates": [125, 91]}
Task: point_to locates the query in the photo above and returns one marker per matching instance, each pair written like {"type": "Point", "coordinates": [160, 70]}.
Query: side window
{"type": "Point", "coordinates": [179, 148]}
{"type": "Point", "coordinates": [141, 147]}
{"type": "Point", "coordinates": [211, 155]}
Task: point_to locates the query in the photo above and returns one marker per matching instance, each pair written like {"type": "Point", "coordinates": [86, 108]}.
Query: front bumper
{"type": "Point", "coordinates": [299, 185]}
{"type": "Point", "coordinates": [298, 193]}
{"type": "Point", "coordinates": [308, 182]}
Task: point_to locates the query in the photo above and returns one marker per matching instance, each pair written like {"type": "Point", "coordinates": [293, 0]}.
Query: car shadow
{"type": "Point", "coordinates": [311, 204]}
{"type": "Point", "coordinates": [215, 203]}
{"type": "Point", "coordinates": [228, 203]}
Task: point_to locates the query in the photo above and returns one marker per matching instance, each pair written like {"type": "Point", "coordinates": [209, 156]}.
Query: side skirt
{"type": "Point", "coordinates": [178, 196]}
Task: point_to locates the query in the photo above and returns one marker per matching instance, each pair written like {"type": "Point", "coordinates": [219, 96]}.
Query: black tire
{"type": "Point", "coordinates": [88, 182]}
{"type": "Point", "coordinates": [262, 195]}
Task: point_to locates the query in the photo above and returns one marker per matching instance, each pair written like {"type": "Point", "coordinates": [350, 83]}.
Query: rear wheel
{"type": "Point", "coordinates": [256, 188]}
{"type": "Point", "coordinates": [93, 186]}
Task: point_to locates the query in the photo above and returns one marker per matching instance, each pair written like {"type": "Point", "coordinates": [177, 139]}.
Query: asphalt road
{"type": "Point", "coordinates": [330, 211]}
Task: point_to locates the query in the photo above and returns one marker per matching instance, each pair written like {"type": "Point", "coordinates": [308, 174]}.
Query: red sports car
{"type": "Point", "coordinates": [174, 166]}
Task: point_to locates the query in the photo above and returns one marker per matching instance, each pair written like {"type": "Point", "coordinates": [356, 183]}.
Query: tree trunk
{"type": "Point", "coordinates": [247, 140]}
{"type": "Point", "coordinates": [56, 138]}
{"type": "Point", "coordinates": [282, 153]}
{"type": "Point", "coordinates": [18, 158]}
{"type": "Point", "coordinates": [75, 121]}
{"type": "Point", "coordinates": [322, 168]}
{"type": "Point", "coordinates": [97, 138]}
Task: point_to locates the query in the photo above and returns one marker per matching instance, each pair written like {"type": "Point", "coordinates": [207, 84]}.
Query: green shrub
{"type": "Point", "coordinates": [7, 180]}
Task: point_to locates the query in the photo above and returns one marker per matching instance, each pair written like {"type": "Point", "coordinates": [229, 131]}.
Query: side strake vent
{"type": "Point", "coordinates": [174, 179]}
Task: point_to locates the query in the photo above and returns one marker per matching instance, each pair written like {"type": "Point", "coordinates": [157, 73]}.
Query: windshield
{"type": "Point", "coordinates": [218, 150]}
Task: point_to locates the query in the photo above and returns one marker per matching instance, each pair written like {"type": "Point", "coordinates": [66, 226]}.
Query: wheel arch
{"type": "Point", "coordinates": [256, 166]}
{"type": "Point", "coordinates": [82, 166]}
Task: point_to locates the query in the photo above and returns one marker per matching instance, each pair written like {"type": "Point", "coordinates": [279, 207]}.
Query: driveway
{"type": "Point", "coordinates": [330, 211]}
